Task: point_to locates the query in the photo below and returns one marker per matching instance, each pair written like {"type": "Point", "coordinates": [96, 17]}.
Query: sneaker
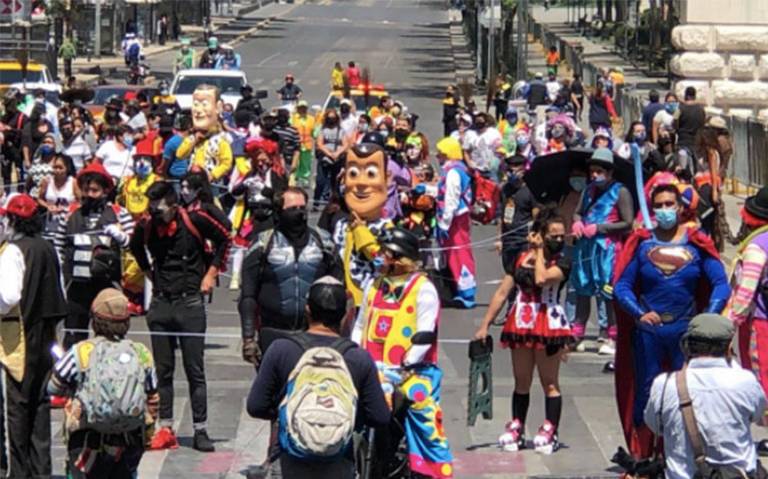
{"type": "Point", "coordinates": [202, 442]}
{"type": "Point", "coordinates": [164, 439]}
{"type": "Point", "coordinates": [608, 348]}
{"type": "Point", "coordinates": [546, 441]}
{"type": "Point", "coordinates": [762, 448]}
{"type": "Point", "coordinates": [234, 284]}
{"type": "Point", "coordinates": [513, 439]}
{"type": "Point", "coordinates": [58, 402]}
{"type": "Point", "coordinates": [135, 309]}
{"type": "Point", "coordinates": [580, 346]}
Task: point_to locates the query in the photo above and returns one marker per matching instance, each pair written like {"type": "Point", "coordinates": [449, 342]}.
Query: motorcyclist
{"type": "Point", "coordinates": [185, 58]}
{"type": "Point", "coordinates": [210, 55]}
{"type": "Point", "coordinates": [249, 103]}
{"type": "Point", "coordinates": [228, 59]}
{"type": "Point", "coordinates": [289, 92]}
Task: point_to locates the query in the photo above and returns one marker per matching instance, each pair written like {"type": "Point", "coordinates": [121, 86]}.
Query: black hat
{"type": "Point", "coordinates": [373, 137]}
{"type": "Point", "coordinates": [757, 205]}
{"type": "Point", "coordinates": [514, 160]}
{"type": "Point", "coordinates": [401, 242]}
{"type": "Point", "coordinates": [327, 296]}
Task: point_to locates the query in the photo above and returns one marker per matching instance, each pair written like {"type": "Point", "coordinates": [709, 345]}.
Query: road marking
{"type": "Point", "coordinates": [152, 461]}
{"type": "Point", "coordinates": [261, 63]}
{"type": "Point", "coordinates": [250, 444]}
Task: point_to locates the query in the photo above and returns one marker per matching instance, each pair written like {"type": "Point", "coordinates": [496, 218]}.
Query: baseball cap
{"type": "Point", "coordinates": [111, 304]}
{"type": "Point", "coordinates": [302, 103]}
{"type": "Point", "coordinates": [21, 205]}
{"type": "Point", "coordinates": [327, 295]}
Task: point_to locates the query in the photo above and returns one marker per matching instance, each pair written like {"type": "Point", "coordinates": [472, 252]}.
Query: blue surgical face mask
{"type": "Point", "coordinates": [671, 107]}
{"type": "Point", "coordinates": [599, 179]}
{"type": "Point", "coordinates": [666, 218]}
{"type": "Point", "coordinates": [578, 183]}
{"type": "Point", "coordinates": [639, 138]}
{"type": "Point", "coordinates": [143, 168]}
{"type": "Point", "coordinates": [128, 141]}
{"type": "Point", "coordinates": [522, 141]}
{"type": "Point", "coordinates": [46, 150]}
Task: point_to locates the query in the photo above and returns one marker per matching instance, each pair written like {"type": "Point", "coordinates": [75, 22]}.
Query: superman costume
{"type": "Point", "coordinates": [666, 278]}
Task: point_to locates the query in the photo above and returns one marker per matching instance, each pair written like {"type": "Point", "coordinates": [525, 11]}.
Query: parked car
{"type": "Point", "coordinates": [10, 72]}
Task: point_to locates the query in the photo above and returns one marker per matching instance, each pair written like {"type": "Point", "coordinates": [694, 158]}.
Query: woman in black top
{"type": "Point", "coordinates": [577, 96]}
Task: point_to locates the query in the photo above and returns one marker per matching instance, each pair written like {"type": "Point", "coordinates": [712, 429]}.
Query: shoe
{"type": "Point", "coordinates": [608, 348]}
{"type": "Point", "coordinates": [602, 336]}
{"type": "Point", "coordinates": [762, 448]}
{"type": "Point", "coordinates": [609, 367]}
{"type": "Point", "coordinates": [164, 439]}
{"type": "Point", "coordinates": [546, 441]}
{"type": "Point", "coordinates": [202, 442]}
{"type": "Point", "coordinates": [234, 285]}
{"type": "Point", "coordinates": [580, 346]}
{"type": "Point", "coordinates": [513, 439]}
{"type": "Point", "coordinates": [58, 402]}
{"type": "Point", "coordinates": [135, 309]}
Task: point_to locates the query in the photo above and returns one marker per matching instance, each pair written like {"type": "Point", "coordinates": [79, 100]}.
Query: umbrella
{"type": "Point", "coordinates": [548, 177]}
{"type": "Point", "coordinates": [83, 94]}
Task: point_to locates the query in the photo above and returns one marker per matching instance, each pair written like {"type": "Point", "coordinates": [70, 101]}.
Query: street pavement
{"type": "Point", "coordinates": [405, 45]}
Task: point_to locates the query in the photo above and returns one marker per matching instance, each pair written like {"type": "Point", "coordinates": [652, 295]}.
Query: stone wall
{"type": "Point", "coordinates": [727, 62]}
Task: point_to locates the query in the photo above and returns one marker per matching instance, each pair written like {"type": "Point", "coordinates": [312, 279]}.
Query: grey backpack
{"type": "Point", "coordinates": [112, 388]}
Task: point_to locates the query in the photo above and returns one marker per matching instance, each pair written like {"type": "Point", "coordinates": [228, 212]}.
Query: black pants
{"type": "Point", "coordinates": [179, 315]}
{"type": "Point", "coordinates": [80, 295]}
{"type": "Point", "coordinates": [105, 465]}
{"type": "Point", "coordinates": [323, 181]}
{"type": "Point", "coordinates": [10, 157]}
{"type": "Point", "coordinates": [28, 424]}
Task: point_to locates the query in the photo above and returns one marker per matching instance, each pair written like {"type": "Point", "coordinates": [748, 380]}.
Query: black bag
{"type": "Point", "coordinates": [105, 264]}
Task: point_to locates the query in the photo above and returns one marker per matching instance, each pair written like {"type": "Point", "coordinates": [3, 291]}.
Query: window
{"type": "Point", "coordinates": [227, 85]}
{"type": "Point", "coordinates": [14, 76]}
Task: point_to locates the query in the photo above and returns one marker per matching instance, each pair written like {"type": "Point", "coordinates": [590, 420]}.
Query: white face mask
{"type": "Point", "coordinates": [6, 230]}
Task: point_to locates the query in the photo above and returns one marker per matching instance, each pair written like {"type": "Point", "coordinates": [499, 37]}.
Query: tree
{"type": "Point", "coordinates": [63, 10]}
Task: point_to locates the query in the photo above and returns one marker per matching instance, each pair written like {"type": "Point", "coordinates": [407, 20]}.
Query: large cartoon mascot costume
{"type": "Point", "coordinates": [208, 145]}
{"type": "Point", "coordinates": [365, 193]}
{"type": "Point", "coordinates": [454, 200]}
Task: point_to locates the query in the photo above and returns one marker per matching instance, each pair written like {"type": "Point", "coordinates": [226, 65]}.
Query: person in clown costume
{"type": "Point", "coordinates": [208, 146]}
{"type": "Point", "coordinates": [454, 199]}
{"type": "Point", "coordinates": [365, 192]}
{"type": "Point", "coordinates": [254, 191]}
{"type": "Point", "coordinates": [133, 196]}
{"type": "Point", "coordinates": [397, 305]}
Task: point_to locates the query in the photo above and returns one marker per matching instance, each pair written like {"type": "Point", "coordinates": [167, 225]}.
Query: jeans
{"type": "Point", "coordinates": [325, 180]}
{"type": "Point", "coordinates": [181, 314]}
{"type": "Point", "coordinates": [570, 308]}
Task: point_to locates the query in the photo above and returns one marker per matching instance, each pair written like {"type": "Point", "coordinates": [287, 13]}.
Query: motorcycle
{"type": "Point", "coordinates": [138, 73]}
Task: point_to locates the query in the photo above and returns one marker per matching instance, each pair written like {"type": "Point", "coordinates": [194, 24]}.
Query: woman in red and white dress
{"type": "Point", "coordinates": [536, 330]}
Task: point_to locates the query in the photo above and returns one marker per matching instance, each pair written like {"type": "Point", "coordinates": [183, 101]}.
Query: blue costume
{"type": "Point", "coordinates": [594, 258]}
{"type": "Point", "coordinates": [664, 278]}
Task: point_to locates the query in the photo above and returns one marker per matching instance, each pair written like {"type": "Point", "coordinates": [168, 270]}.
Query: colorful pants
{"type": "Point", "coordinates": [460, 260]}
{"type": "Point", "coordinates": [304, 170]}
{"type": "Point", "coordinates": [753, 350]}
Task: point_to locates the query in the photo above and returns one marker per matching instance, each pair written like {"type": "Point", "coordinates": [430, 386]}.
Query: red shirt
{"type": "Point", "coordinates": [353, 76]}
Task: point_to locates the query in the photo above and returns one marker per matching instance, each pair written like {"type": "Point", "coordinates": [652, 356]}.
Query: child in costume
{"type": "Point", "coordinates": [663, 278]}
{"type": "Point", "coordinates": [454, 200]}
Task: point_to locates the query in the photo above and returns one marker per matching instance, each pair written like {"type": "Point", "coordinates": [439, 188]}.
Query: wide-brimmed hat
{"type": "Point", "coordinates": [602, 157]}
{"type": "Point", "coordinates": [717, 122]}
{"type": "Point", "coordinates": [757, 205]}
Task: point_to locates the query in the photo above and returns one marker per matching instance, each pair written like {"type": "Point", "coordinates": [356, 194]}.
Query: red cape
{"type": "Point", "coordinates": [640, 441]}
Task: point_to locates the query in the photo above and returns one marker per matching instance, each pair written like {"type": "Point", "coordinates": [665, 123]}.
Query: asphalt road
{"type": "Point", "coordinates": [405, 45]}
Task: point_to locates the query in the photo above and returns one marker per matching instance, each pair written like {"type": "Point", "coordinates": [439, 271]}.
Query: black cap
{"type": "Point", "coordinates": [400, 241]}
{"type": "Point", "coordinates": [373, 137]}
{"type": "Point", "coordinates": [757, 205]}
{"type": "Point", "coordinates": [327, 297]}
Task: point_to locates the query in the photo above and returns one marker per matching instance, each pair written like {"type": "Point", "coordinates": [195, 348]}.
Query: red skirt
{"type": "Point", "coordinates": [532, 323]}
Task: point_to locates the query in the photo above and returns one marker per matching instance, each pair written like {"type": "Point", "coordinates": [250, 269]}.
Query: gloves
{"type": "Point", "coordinates": [441, 234]}
{"type": "Point", "coordinates": [116, 234]}
{"type": "Point", "coordinates": [420, 189]}
{"type": "Point", "coordinates": [589, 230]}
{"type": "Point", "coordinates": [251, 351]}
{"type": "Point", "coordinates": [577, 229]}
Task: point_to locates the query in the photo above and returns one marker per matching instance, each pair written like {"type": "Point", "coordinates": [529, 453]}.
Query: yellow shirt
{"type": "Point", "coordinates": [337, 79]}
{"type": "Point", "coordinates": [214, 154]}
{"type": "Point", "coordinates": [306, 127]}
{"type": "Point", "coordinates": [134, 194]}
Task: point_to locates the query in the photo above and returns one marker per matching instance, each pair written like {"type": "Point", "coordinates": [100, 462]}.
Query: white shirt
{"type": "Point", "coordinates": [427, 310]}
{"type": "Point", "coordinates": [117, 162]}
{"type": "Point", "coordinates": [664, 119]}
{"type": "Point", "coordinates": [553, 88]}
{"type": "Point", "coordinates": [12, 280]}
{"type": "Point", "coordinates": [469, 140]}
{"type": "Point", "coordinates": [79, 151]}
{"type": "Point", "coordinates": [484, 150]}
{"type": "Point", "coordinates": [349, 125]}
{"type": "Point", "coordinates": [452, 199]}
{"type": "Point", "coordinates": [726, 399]}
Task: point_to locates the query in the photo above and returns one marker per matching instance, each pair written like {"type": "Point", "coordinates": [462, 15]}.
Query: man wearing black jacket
{"type": "Point", "coordinates": [182, 271]}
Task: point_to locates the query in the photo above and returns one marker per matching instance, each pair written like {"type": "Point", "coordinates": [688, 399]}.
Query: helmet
{"type": "Point", "coordinates": [401, 242]}
{"type": "Point", "coordinates": [373, 137]}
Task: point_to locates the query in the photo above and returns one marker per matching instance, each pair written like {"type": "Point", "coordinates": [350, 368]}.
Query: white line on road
{"type": "Point", "coordinates": [261, 63]}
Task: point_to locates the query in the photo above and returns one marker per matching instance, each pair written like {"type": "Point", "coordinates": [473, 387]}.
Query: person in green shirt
{"type": "Point", "coordinates": [67, 51]}
{"type": "Point", "coordinates": [185, 58]}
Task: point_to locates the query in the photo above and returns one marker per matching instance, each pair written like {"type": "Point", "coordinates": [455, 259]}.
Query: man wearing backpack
{"type": "Point", "coordinates": [89, 241]}
{"type": "Point", "coordinates": [704, 411]}
{"type": "Point", "coordinates": [111, 387]}
{"type": "Point", "coordinates": [182, 271]}
{"type": "Point", "coordinates": [293, 384]}
{"type": "Point", "coordinates": [31, 304]}
{"type": "Point", "coordinates": [277, 271]}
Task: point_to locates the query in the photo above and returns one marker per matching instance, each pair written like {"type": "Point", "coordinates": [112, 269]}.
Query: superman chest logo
{"type": "Point", "coordinates": [670, 259]}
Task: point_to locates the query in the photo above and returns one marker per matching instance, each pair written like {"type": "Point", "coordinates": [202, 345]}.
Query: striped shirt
{"type": "Point", "coordinates": [748, 279]}
{"type": "Point", "coordinates": [289, 143]}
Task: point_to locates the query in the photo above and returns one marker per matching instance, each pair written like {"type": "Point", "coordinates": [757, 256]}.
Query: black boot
{"type": "Point", "coordinates": [202, 442]}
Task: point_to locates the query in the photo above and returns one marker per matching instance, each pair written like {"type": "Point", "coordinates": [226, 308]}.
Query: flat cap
{"type": "Point", "coordinates": [710, 327]}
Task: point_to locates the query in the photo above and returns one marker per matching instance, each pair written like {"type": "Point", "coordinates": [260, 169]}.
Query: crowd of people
{"type": "Point", "coordinates": [140, 211]}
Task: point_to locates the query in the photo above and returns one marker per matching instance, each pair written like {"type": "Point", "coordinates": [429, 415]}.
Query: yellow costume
{"type": "Point", "coordinates": [133, 194]}
{"type": "Point", "coordinates": [214, 154]}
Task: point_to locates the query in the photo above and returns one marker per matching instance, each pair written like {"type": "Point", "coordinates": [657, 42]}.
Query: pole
{"type": "Point", "coordinates": [479, 52]}
{"type": "Point", "coordinates": [97, 28]}
{"type": "Point", "coordinates": [491, 38]}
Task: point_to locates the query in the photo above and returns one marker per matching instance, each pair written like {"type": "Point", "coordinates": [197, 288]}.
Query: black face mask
{"type": "Point", "coordinates": [67, 134]}
{"type": "Point", "coordinates": [93, 205]}
{"type": "Point", "coordinates": [344, 109]}
{"type": "Point", "coordinates": [260, 211]}
{"type": "Point", "coordinates": [292, 222]}
{"type": "Point", "coordinates": [554, 246]}
{"type": "Point", "coordinates": [401, 134]}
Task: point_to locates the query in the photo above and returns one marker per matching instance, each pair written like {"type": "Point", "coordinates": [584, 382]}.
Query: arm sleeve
{"type": "Point", "coordinates": [265, 391]}
{"type": "Point", "coordinates": [12, 280]}
{"type": "Point", "coordinates": [365, 241]}
{"type": "Point", "coordinates": [715, 272]}
{"type": "Point", "coordinates": [248, 305]}
{"type": "Point", "coordinates": [224, 164]}
{"type": "Point", "coordinates": [212, 229]}
{"type": "Point", "coordinates": [64, 375]}
{"type": "Point", "coordinates": [138, 248]}
{"type": "Point", "coordinates": [652, 413]}
{"type": "Point", "coordinates": [375, 409]}
{"type": "Point", "coordinates": [126, 225]}
{"type": "Point", "coordinates": [185, 147]}
{"type": "Point", "coordinates": [427, 310]}
{"type": "Point", "coordinates": [624, 290]}
{"type": "Point", "coordinates": [752, 265]}
{"type": "Point", "coordinates": [358, 329]}
{"type": "Point", "coordinates": [757, 396]}
{"type": "Point", "coordinates": [626, 214]}
{"type": "Point", "coordinates": [452, 197]}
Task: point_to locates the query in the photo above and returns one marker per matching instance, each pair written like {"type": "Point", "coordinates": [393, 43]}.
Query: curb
{"type": "Point", "coordinates": [464, 65]}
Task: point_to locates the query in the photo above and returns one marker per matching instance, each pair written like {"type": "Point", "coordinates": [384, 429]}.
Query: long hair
{"type": "Point", "coordinates": [546, 217]}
